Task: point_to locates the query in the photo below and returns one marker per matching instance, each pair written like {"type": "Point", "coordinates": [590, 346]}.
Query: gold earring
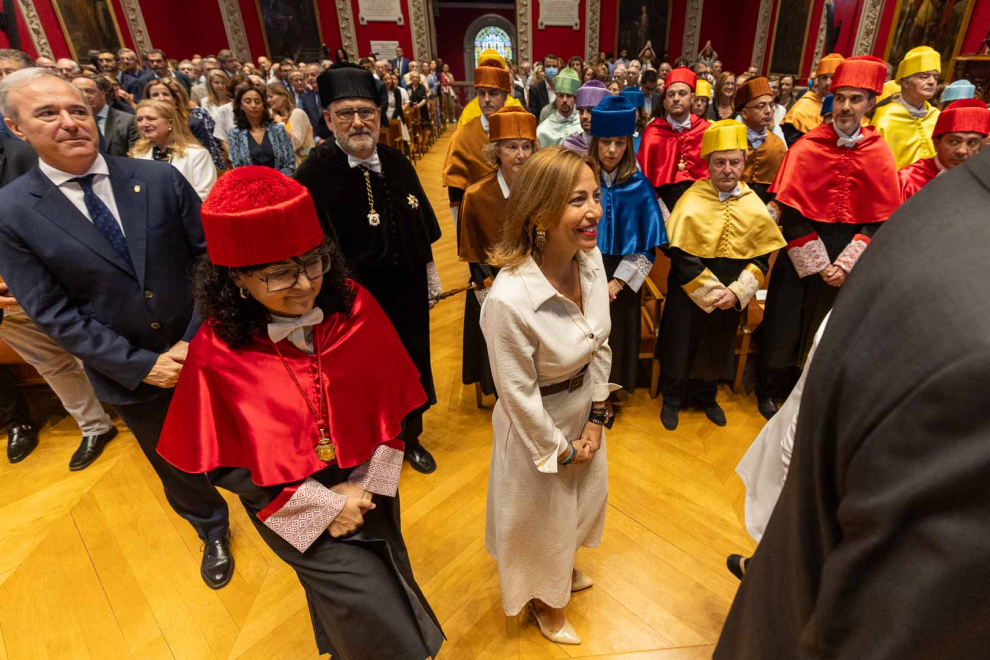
{"type": "Point", "coordinates": [541, 238]}
{"type": "Point", "coordinates": [244, 293]}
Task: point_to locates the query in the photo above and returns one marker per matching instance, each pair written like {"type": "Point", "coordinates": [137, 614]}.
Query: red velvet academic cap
{"type": "Point", "coordinates": [865, 72]}
{"type": "Point", "coordinates": [257, 215]}
{"type": "Point", "coordinates": [964, 116]}
{"type": "Point", "coordinates": [682, 74]}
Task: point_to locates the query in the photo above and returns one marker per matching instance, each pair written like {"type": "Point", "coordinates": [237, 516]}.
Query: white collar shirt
{"type": "Point", "coordinates": [74, 192]}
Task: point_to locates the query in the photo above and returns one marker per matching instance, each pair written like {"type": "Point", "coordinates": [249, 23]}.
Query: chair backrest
{"type": "Point", "coordinates": [395, 131]}
{"type": "Point", "coordinates": [661, 268]}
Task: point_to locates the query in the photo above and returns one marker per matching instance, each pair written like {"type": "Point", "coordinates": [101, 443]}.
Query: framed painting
{"type": "Point", "coordinates": [641, 22]}
{"type": "Point", "coordinates": [940, 24]}
{"type": "Point", "coordinates": [291, 28]}
{"type": "Point", "coordinates": [790, 36]}
{"type": "Point", "coordinates": [88, 25]}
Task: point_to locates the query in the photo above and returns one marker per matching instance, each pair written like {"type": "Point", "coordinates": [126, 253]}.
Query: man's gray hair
{"type": "Point", "coordinates": [24, 77]}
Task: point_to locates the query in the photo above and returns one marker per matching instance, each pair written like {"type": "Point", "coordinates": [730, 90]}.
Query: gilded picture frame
{"type": "Point", "coordinates": [88, 25]}
{"type": "Point", "coordinates": [941, 24]}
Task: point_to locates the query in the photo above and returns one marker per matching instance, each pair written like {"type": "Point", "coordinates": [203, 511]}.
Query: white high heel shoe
{"type": "Point", "coordinates": [580, 581]}
{"type": "Point", "coordinates": [566, 634]}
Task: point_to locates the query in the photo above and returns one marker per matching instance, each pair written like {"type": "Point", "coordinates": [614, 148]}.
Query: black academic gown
{"type": "Point", "coordinates": [796, 306]}
{"type": "Point", "coordinates": [879, 542]}
{"type": "Point", "coordinates": [694, 346]}
{"type": "Point", "coordinates": [389, 259]}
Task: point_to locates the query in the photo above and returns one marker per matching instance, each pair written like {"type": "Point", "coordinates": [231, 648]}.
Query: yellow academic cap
{"type": "Point", "coordinates": [492, 54]}
{"type": "Point", "coordinates": [917, 60]}
{"type": "Point", "coordinates": [704, 89]}
{"type": "Point", "coordinates": [724, 135]}
{"type": "Point", "coordinates": [889, 89]}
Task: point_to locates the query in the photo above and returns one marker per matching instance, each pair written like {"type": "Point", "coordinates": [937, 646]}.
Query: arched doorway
{"type": "Point", "coordinates": [488, 31]}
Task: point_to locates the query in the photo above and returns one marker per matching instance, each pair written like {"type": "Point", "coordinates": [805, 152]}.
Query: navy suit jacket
{"type": "Point", "coordinates": [311, 106]}
{"type": "Point", "coordinates": [116, 318]}
{"type": "Point", "coordinates": [402, 66]}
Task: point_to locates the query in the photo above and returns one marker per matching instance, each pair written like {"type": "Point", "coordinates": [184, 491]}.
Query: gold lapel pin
{"type": "Point", "coordinates": [137, 188]}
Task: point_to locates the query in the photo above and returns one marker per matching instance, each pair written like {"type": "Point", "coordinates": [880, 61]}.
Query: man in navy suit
{"type": "Point", "coordinates": [98, 250]}
{"type": "Point", "coordinates": [400, 64]}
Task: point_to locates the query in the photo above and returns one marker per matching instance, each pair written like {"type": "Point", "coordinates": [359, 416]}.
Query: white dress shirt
{"type": "Point", "coordinates": [74, 192]}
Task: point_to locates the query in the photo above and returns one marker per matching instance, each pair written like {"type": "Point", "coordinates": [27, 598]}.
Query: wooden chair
{"type": "Point", "coordinates": [749, 321]}
{"type": "Point", "coordinates": [395, 133]}
{"type": "Point", "coordinates": [654, 293]}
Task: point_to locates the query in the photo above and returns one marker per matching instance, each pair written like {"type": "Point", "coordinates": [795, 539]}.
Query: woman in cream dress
{"type": "Point", "coordinates": [546, 322]}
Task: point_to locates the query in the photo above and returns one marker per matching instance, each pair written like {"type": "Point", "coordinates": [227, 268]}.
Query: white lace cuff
{"type": "Point", "coordinates": [808, 254]}
{"type": "Point", "coordinates": [851, 254]}
{"type": "Point", "coordinates": [433, 280]}
{"type": "Point", "coordinates": [633, 270]}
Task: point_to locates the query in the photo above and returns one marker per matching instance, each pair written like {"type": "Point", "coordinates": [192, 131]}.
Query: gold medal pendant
{"type": "Point", "coordinates": [325, 450]}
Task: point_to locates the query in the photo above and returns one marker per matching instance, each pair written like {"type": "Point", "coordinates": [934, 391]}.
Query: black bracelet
{"type": "Point", "coordinates": [598, 416]}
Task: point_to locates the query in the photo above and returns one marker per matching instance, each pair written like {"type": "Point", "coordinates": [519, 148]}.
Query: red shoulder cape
{"type": "Point", "coordinates": [914, 177]}
{"type": "Point", "coordinates": [828, 183]}
{"type": "Point", "coordinates": [661, 148]}
{"type": "Point", "coordinates": [239, 408]}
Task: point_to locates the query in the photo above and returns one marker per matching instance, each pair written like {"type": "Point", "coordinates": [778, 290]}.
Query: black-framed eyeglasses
{"type": "Point", "coordinates": [347, 116]}
{"type": "Point", "coordinates": [280, 278]}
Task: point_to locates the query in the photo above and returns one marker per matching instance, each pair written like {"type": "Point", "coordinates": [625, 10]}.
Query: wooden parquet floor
{"type": "Point", "coordinates": [95, 564]}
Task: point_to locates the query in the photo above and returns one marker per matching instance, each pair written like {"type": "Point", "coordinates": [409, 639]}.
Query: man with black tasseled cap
{"type": "Point", "coordinates": [371, 203]}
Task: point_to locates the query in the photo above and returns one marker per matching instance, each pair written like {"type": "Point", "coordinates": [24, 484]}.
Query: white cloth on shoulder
{"type": "Point", "coordinates": [763, 468]}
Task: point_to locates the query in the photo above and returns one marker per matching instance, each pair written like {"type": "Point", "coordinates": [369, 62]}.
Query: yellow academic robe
{"type": "Point", "coordinates": [910, 139]}
{"type": "Point", "coordinates": [473, 110]}
{"type": "Point", "coordinates": [806, 113]}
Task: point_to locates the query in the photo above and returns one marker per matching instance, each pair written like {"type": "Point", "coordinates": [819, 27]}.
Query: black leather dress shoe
{"type": "Point", "coordinates": [90, 449]}
{"type": "Point", "coordinates": [218, 564]}
{"type": "Point", "coordinates": [668, 416]}
{"type": "Point", "coordinates": [421, 460]}
{"type": "Point", "coordinates": [737, 565]}
{"type": "Point", "coordinates": [21, 441]}
{"type": "Point", "coordinates": [715, 414]}
{"type": "Point", "coordinates": [766, 407]}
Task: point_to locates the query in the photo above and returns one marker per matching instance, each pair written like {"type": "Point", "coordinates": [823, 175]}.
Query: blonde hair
{"type": "Point", "coordinates": [490, 153]}
{"type": "Point", "coordinates": [280, 90]}
{"type": "Point", "coordinates": [539, 196]}
{"type": "Point", "coordinates": [212, 93]}
{"type": "Point", "coordinates": [179, 139]}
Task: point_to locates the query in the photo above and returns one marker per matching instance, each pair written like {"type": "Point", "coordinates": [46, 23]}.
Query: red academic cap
{"type": "Point", "coordinates": [964, 116]}
{"type": "Point", "coordinates": [864, 72]}
{"type": "Point", "coordinates": [257, 215]}
{"type": "Point", "coordinates": [682, 74]}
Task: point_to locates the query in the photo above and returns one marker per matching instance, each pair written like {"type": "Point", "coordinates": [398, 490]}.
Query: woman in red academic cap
{"type": "Point", "coordinates": [292, 397]}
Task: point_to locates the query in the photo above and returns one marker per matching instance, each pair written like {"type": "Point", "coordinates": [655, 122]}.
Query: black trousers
{"type": "Point", "coordinates": [192, 496]}
{"type": "Point", "coordinates": [13, 406]}
{"type": "Point", "coordinates": [363, 599]}
{"type": "Point", "coordinates": [412, 428]}
{"type": "Point", "coordinates": [677, 391]}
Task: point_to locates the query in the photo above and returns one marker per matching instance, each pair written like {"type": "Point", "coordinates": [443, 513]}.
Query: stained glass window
{"type": "Point", "coordinates": [495, 38]}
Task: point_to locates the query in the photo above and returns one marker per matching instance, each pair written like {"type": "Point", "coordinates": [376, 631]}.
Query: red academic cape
{"type": "Point", "coordinates": [915, 176]}
{"type": "Point", "coordinates": [828, 183]}
{"type": "Point", "coordinates": [239, 408]}
{"type": "Point", "coordinates": [661, 149]}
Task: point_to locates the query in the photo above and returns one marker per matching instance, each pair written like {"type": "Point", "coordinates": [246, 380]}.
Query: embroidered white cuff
{"type": "Point", "coordinates": [381, 474]}
{"type": "Point", "coordinates": [307, 513]}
